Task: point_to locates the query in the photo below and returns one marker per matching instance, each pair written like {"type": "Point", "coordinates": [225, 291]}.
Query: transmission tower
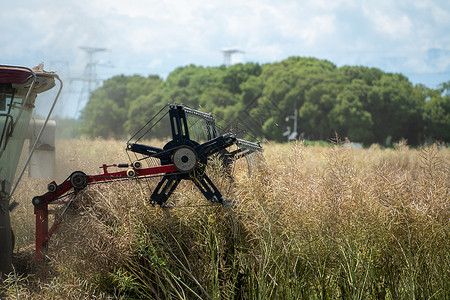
{"type": "Point", "coordinates": [227, 53]}
{"type": "Point", "coordinates": [89, 79]}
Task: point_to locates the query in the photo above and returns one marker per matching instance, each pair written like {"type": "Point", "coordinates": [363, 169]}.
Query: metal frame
{"type": "Point", "coordinates": [38, 136]}
{"type": "Point", "coordinates": [181, 159]}
{"type": "Point", "coordinates": [28, 80]}
{"type": "Point", "coordinates": [77, 181]}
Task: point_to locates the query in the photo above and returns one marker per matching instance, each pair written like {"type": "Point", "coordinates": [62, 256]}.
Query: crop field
{"type": "Point", "coordinates": [313, 222]}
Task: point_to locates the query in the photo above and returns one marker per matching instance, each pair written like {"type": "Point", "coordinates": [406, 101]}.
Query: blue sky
{"type": "Point", "coordinates": [154, 37]}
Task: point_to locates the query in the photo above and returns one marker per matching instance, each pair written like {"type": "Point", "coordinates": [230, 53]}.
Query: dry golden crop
{"type": "Point", "coordinates": [314, 222]}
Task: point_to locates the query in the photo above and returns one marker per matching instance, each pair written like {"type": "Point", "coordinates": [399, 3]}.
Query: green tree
{"type": "Point", "coordinates": [436, 113]}
{"type": "Point", "coordinates": [186, 84]}
{"type": "Point", "coordinates": [107, 110]}
{"type": "Point", "coordinates": [142, 110]}
{"type": "Point", "coordinates": [349, 118]}
{"type": "Point", "coordinates": [237, 74]}
{"type": "Point", "coordinates": [364, 104]}
{"type": "Point", "coordinates": [367, 75]}
{"type": "Point", "coordinates": [395, 109]}
{"type": "Point", "coordinates": [320, 99]}
{"type": "Point", "coordinates": [251, 91]}
{"type": "Point", "coordinates": [286, 84]}
{"type": "Point", "coordinates": [311, 115]}
{"type": "Point", "coordinates": [103, 118]}
{"type": "Point", "coordinates": [141, 86]}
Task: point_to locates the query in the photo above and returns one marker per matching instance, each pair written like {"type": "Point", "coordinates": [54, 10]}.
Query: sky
{"type": "Point", "coordinates": [146, 37]}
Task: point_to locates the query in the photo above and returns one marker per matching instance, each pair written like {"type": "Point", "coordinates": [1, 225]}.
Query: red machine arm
{"type": "Point", "coordinates": [78, 181]}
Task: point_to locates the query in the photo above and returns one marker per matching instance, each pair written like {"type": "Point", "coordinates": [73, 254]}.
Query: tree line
{"type": "Point", "coordinates": [360, 103]}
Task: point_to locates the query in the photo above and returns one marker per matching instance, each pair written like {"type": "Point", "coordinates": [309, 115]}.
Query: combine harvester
{"type": "Point", "coordinates": [19, 88]}
{"type": "Point", "coordinates": [195, 141]}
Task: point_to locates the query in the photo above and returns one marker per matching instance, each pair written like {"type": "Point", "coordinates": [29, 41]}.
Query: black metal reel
{"type": "Point", "coordinates": [189, 156]}
{"type": "Point", "coordinates": [164, 189]}
{"type": "Point", "coordinates": [191, 162]}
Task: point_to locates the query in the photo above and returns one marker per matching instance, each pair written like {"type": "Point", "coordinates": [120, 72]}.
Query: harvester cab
{"type": "Point", "coordinates": [19, 88]}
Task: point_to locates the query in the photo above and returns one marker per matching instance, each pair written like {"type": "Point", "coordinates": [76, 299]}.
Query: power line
{"type": "Point", "coordinates": [89, 79]}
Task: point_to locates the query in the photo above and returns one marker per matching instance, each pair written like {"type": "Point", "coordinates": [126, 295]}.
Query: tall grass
{"type": "Point", "coordinates": [314, 223]}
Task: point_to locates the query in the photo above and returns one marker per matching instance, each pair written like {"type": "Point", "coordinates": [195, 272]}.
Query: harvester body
{"type": "Point", "coordinates": [19, 88]}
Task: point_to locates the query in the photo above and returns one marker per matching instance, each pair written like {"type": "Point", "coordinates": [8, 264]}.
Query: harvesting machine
{"type": "Point", "coordinates": [19, 88]}
{"type": "Point", "coordinates": [195, 141]}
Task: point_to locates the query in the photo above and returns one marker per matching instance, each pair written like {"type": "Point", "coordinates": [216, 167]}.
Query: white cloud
{"type": "Point", "coordinates": [395, 27]}
{"type": "Point", "coordinates": [160, 35]}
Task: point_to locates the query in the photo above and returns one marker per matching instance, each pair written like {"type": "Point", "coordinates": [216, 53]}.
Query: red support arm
{"type": "Point", "coordinates": [41, 231]}
{"type": "Point", "coordinates": [56, 191]}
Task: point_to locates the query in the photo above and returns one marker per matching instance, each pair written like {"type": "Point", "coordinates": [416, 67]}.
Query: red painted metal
{"type": "Point", "coordinates": [41, 231]}
{"type": "Point", "coordinates": [139, 173]}
{"type": "Point", "coordinates": [41, 211]}
{"type": "Point", "coordinates": [14, 75]}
